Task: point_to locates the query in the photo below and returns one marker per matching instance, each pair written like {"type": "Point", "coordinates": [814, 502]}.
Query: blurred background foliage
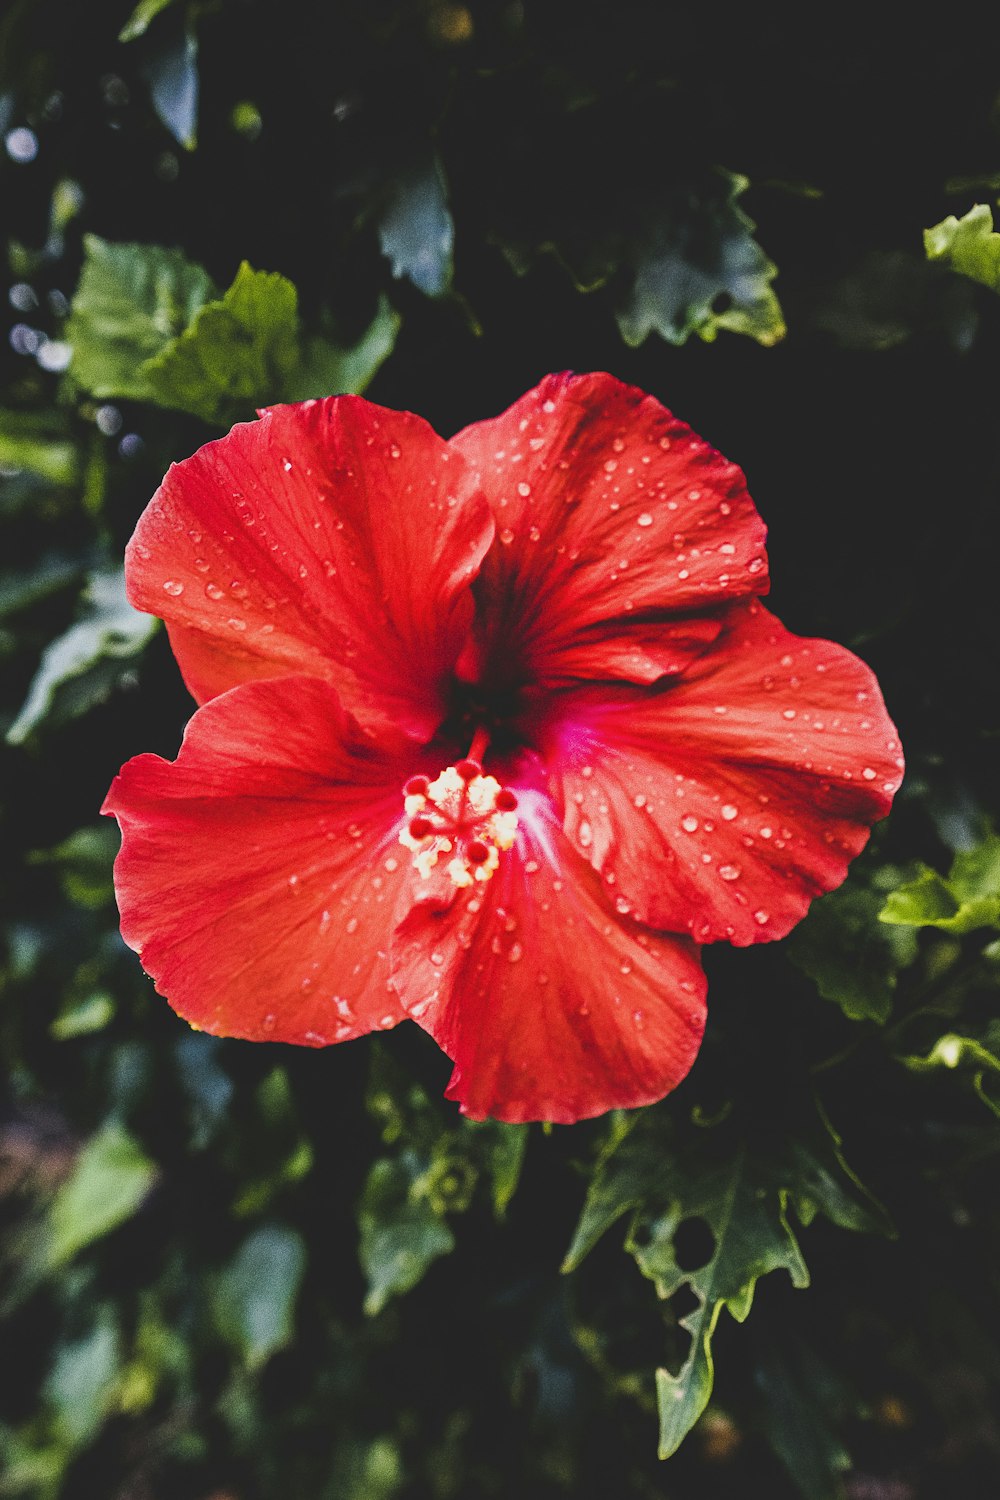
{"type": "Point", "coordinates": [231, 1272]}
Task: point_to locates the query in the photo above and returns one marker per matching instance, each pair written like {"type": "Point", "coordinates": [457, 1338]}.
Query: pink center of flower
{"type": "Point", "coordinates": [462, 813]}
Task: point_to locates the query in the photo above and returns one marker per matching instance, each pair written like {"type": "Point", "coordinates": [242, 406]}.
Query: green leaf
{"type": "Point", "coordinates": [84, 861]}
{"type": "Point", "coordinates": [505, 1149]}
{"type": "Point", "coordinates": [131, 301]}
{"type": "Point", "coordinates": [800, 1394]}
{"type": "Point", "coordinates": [629, 1169]}
{"type": "Point", "coordinates": [21, 590]}
{"type": "Point", "coordinates": [968, 245]}
{"type": "Point", "coordinates": [237, 354]}
{"type": "Point", "coordinates": [74, 670]}
{"type": "Point", "coordinates": [968, 899]}
{"type": "Point", "coordinates": [811, 1167]}
{"type": "Point", "coordinates": [980, 1057]}
{"type": "Point", "coordinates": [254, 1299]}
{"type": "Point", "coordinates": [82, 1384]}
{"type": "Point", "coordinates": [416, 233]}
{"type": "Point", "coordinates": [107, 1185]}
{"type": "Point", "coordinates": [751, 1236]}
{"type": "Point", "coordinates": [32, 441]}
{"type": "Point", "coordinates": [327, 369]}
{"type": "Point", "coordinates": [698, 269]}
{"type": "Point", "coordinates": [138, 21]}
{"type": "Point", "coordinates": [851, 959]}
{"type": "Point", "coordinates": [401, 1229]}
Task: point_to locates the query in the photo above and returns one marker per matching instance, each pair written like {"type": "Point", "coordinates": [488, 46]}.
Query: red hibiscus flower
{"type": "Point", "coordinates": [493, 734]}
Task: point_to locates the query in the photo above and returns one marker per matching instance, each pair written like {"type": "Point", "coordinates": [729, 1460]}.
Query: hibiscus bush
{"type": "Point", "coordinates": [496, 759]}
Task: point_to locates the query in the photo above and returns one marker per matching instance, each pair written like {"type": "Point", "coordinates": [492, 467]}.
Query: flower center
{"type": "Point", "coordinates": [461, 813]}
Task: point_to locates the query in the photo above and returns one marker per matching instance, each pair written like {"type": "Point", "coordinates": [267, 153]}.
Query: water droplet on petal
{"type": "Point", "coordinates": [729, 812]}
{"type": "Point", "coordinates": [645, 519]}
{"type": "Point", "coordinates": [761, 917]}
{"type": "Point", "coordinates": [729, 872]}
{"type": "Point", "coordinates": [689, 824]}
{"type": "Point", "coordinates": [173, 587]}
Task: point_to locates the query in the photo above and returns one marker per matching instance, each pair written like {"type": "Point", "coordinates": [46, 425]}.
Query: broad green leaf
{"type": "Point", "coordinates": [131, 301]}
{"type": "Point", "coordinates": [83, 1017]}
{"type": "Point", "coordinates": [416, 233]}
{"type": "Point", "coordinates": [82, 1384]}
{"type": "Point", "coordinates": [81, 667]}
{"type": "Point", "coordinates": [699, 269]}
{"type": "Point", "coordinates": [751, 1236]}
{"type": "Point", "coordinates": [980, 1057]}
{"type": "Point", "coordinates": [33, 441]}
{"type": "Point", "coordinates": [84, 861]}
{"type": "Point", "coordinates": [326, 369]}
{"type": "Point", "coordinates": [254, 1298]}
{"type": "Point", "coordinates": [107, 1185]}
{"type": "Point", "coordinates": [967, 899]}
{"type": "Point", "coordinates": [969, 245]}
{"type": "Point", "coordinates": [237, 354]}
{"type": "Point", "coordinates": [401, 1230]}
{"type": "Point", "coordinates": [138, 21]}
{"type": "Point", "coordinates": [852, 959]}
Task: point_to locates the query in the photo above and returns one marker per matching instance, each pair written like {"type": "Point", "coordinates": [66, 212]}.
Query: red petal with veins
{"type": "Point", "coordinates": [259, 875]}
{"type": "Point", "coordinates": [607, 509]}
{"type": "Point", "coordinates": [326, 538]}
{"type": "Point", "coordinates": [551, 1005]}
{"type": "Point", "coordinates": [726, 802]}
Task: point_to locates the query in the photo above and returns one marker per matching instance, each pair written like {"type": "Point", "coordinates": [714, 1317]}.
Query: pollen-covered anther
{"type": "Point", "coordinates": [463, 813]}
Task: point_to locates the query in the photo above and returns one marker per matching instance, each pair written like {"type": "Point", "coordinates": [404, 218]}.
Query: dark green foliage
{"type": "Point", "coordinates": [240, 1272]}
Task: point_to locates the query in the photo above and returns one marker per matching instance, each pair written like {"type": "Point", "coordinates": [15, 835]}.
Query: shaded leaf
{"type": "Point", "coordinates": [800, 1393]}
{"type": "Point", "coordinates": [852, 959]}
{"type": "Point", "coordinates": [629, 1169]}
{"type": "Point", "coordinates": [751, 1236]}
{"type": "Point", "coordinates": [22, 590]}
{"type": "Point", "coordinates": [69, 675]}
{"type": "Point", "coordinates": [237, 354]}
{"type": "Point", "coordinates": [698, 269]}
{"type": "Point", "coordinates": [968, 245]}
{"type": "Point", "coordinates": [979, 1057]}
{"type": "Point", "coordinates": [326, 369]}
{"type": "Point", "coordinates": [401, 1230]}
{"type": "Point", "coordinates": [416, 233]}
{"type": "Point", "coordinates": [131, 301]}
{"type": "Point", "coordinates": [254, 1299]}
{"type": "Point", "coordinates": [82, 1383]}
{"type": "Point", "coordinates": [172, 75]}
{"type": "Point", "coordinates": [111, 1178]}
{"type": "Point", "coordinates": [968, 899]}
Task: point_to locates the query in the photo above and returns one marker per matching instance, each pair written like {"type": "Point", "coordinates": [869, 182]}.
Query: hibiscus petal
{"type": "Point", "coordinates": [723, 804]}
{"type": "Point", "coordinates": [607, 507]}
{"type": "Point", "coordinates": [259, 873]}
{"type": "Point", "coordinates": [551, 1006]}
{"type": "Point", "coordinates": [326, 538]}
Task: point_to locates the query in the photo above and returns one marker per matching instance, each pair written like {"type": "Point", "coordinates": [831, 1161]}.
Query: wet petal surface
{"type": "Point", "coordinates": [608, 509]}
{"type": "Point", "coordinates": [551, 1004]}
{"type": "Point", "coordinates": [725, 803]}
{"type": "Point", "coordinates": [326, 538]}
{"type": "Point", "coordinates": [260, 874]}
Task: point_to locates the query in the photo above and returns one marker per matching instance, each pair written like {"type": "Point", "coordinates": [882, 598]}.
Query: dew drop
{"type": "Point", "coordinates": [585, 834]}
{"type": "Point", "coordinates": [173, 587]}
{"type": "Point", "coordinates": [639, 800]}
{"type": "Point", "coordinates": [506, 536]}
{"type": "Point", "coordinates": [394, 450]}
{"type": "Point", "coordinates": [236, 624]}
{"type": "Point", "coordinates": [515, 953]}
{"type": "Point", "coordinates": [729, 812]}
{"type": "Point", "coordinates": [761, 917]}
{"type": "Point", "coordinates": [213, 591]}
{"type": "Point", "coordinates": [437, 959]}
{"type": "Point", "coordinates": [645, 519]}
{"type": "Point", "coordinates": [524, 489]}
{"type": "Point", "coordinates": [729, 872]}
{"type": "Point", "coordinates": [351, 925]}
{"type": "Point", "coordinates": [689, 824]}
{"type": "Point", "coordinates": [868, 773]}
